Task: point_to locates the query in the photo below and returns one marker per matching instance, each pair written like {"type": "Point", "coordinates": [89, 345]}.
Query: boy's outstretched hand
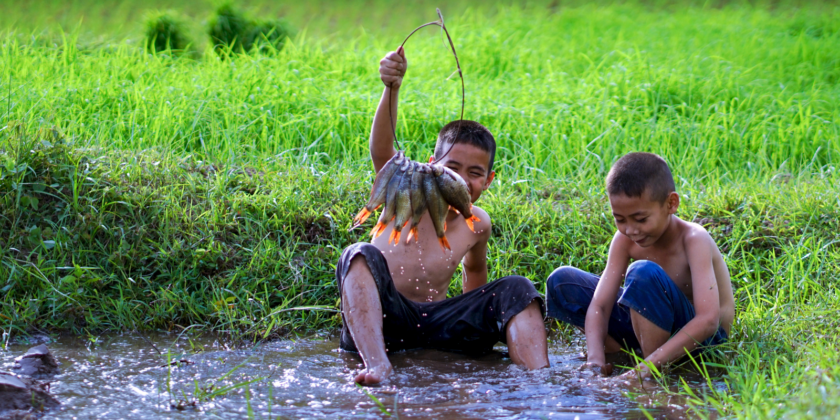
{"type": "Point", "coordinates": [392, 68]}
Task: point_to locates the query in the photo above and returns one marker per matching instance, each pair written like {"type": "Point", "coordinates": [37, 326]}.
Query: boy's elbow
{"type": "Point", "coordinates": [595, 310]}
{"type": "Point", "coordinates": [710, 323]}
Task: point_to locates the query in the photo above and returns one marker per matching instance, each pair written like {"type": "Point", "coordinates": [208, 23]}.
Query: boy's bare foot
{"type": "Point", "coordinates": [374, 376]}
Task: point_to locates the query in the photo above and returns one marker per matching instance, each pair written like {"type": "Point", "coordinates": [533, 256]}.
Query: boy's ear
{"type": "Point", "coordinates": [673, 202]}
{"type": "Point", "coordinates": [490, 178]}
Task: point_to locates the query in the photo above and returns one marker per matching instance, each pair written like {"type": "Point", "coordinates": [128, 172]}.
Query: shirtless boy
{"type": "Point", "coordinates": [676, 296]}
{"type": "Point", "coordinates": [394, 296]}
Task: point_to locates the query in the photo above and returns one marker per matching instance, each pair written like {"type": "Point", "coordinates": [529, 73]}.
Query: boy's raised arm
{"type": "Point", "coordinates": [598, 314]}
{"type": "Point", "coordinates": [698, 246]}
{"type": "Point", "coordinates": [391, 70]}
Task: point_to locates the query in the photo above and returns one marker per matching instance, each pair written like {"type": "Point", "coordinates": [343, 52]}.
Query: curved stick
{"type": "Point", "coordinates": [440, 23]}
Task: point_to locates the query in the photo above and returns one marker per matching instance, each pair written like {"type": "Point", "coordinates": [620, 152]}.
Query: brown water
{"type": "Point", "coordinates": [123, 376]}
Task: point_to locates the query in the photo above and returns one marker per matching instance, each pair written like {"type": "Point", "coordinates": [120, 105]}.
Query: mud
{"type": "Point", "coordinates": [166, 376]}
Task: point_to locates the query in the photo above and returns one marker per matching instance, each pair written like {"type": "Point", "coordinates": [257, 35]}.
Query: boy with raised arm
{"type": "Point", "coordinates": [676, 296]}
{"type": "Point", "coordinates": [393, 297]}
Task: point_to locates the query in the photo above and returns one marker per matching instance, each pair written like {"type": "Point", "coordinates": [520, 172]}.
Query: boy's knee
{"type": "Point", "coordinates": [354, 266]}
{"type": "Point", "coordinates": [358, 265]}
{"type": "Point", "coordinates": [519, 282]}
{"type": "Point", "coordinates": [562, 275]}
{"type": "Point", "coordinates": [556, 285]}
{"type": "Point", "coordinates": [643, 268]}
{"type": "Point", "coordinates": [352, 255]}
{"type": "Point", "coordinates": [514, 286]}
{"type": "Point", "coordinates": [360, 248]}
{"type": "Point", "coordinates": [568, 294]}
{"type": "Point", "coordinates": [642, 273]}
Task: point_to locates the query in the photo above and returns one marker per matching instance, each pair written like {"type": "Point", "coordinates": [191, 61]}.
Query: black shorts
{"type": "Point", "coordinates": [470, 323]}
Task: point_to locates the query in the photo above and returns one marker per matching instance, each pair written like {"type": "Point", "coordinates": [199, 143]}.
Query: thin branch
{"type": "Point", "coordinates": [440, 23]}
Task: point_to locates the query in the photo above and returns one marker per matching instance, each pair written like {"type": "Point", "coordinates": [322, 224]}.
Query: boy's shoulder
{"type": "Point", "coordinates": [481, 214]}
{"type": "Point", "coordinates": [694, 235]}
{"type": "Point", "coordinates": [483, 226]}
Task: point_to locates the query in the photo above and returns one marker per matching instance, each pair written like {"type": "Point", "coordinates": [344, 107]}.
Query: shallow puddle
{"type": "Point", "coordinates": [124, 376]}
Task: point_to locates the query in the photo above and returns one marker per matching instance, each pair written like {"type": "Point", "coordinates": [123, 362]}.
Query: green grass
{"type": "Point", "coordinates": [743, 92]}
{"type": "Point", "coordinates": [194, 192]}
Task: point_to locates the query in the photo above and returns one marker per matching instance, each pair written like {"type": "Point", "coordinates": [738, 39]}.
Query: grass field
{"type": "Point", "coordinates": [152, 191]}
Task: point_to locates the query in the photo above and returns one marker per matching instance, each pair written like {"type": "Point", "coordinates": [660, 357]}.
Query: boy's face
{"type": "Point", "coordinates": [471, 163]}
{"type": "Point", "coordinates": [641, 219]}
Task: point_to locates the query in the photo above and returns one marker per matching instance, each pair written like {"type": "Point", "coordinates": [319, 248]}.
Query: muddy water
{"type": "Point", "coordinates": [124, 376]}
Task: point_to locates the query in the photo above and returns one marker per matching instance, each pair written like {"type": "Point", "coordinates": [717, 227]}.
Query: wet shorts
{"type": "Point", "coordinates": [647, 290]}
{"type": "Point", "coordinates": [471, 323]}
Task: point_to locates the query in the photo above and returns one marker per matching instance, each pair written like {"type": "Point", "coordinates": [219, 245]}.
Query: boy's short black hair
{"type": "Point", "coordinates": [466, 132]}
{"type": "Point", "coordinates": [636, 172]}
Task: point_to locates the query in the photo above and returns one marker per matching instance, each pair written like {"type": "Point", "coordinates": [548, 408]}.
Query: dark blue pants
{"type": "Point", "coordinates": [647, 290]}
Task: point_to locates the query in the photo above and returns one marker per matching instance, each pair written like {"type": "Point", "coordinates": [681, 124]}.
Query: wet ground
{"type": "Point", "coordinates": [164, 376]}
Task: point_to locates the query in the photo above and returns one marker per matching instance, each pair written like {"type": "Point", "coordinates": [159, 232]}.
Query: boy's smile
{"type": "Point", "coordinates": [641, 219]}
{"type": "Point", "coordinates": [471, 163]}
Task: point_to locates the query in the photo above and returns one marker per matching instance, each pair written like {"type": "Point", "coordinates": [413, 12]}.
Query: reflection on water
{"type": "Point", "coordinates": [124, 376]}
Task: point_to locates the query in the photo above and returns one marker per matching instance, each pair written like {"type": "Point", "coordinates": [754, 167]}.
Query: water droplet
{"type": "Point", "coordinates": [418, 325]}
{"type": "Point", "coordinates": [384, 315]}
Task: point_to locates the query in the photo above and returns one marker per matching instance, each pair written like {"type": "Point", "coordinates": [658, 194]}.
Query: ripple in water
{"type": "Point", "coordinates": [123, 376]}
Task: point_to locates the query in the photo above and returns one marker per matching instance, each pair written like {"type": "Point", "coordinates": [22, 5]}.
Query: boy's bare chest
{"type": "Point", "coordinates": [422, 270]}
{"type": "Point", "coordinates": [673, 261]}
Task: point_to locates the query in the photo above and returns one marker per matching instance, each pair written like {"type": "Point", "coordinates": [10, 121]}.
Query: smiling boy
{"type": "Point", "coordinates": [393, 297]}
{"type": "Point", "coordinates": [677, 295]}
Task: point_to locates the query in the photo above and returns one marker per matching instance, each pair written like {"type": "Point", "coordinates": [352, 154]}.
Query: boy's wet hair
{"type": "Point", "coordinates": [467, 132]}
{"type": "Point", "coordinates": [636, 172]}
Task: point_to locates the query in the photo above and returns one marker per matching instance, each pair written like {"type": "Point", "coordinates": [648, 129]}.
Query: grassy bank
{"type": "Point", "coordinates": [216, 194]}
